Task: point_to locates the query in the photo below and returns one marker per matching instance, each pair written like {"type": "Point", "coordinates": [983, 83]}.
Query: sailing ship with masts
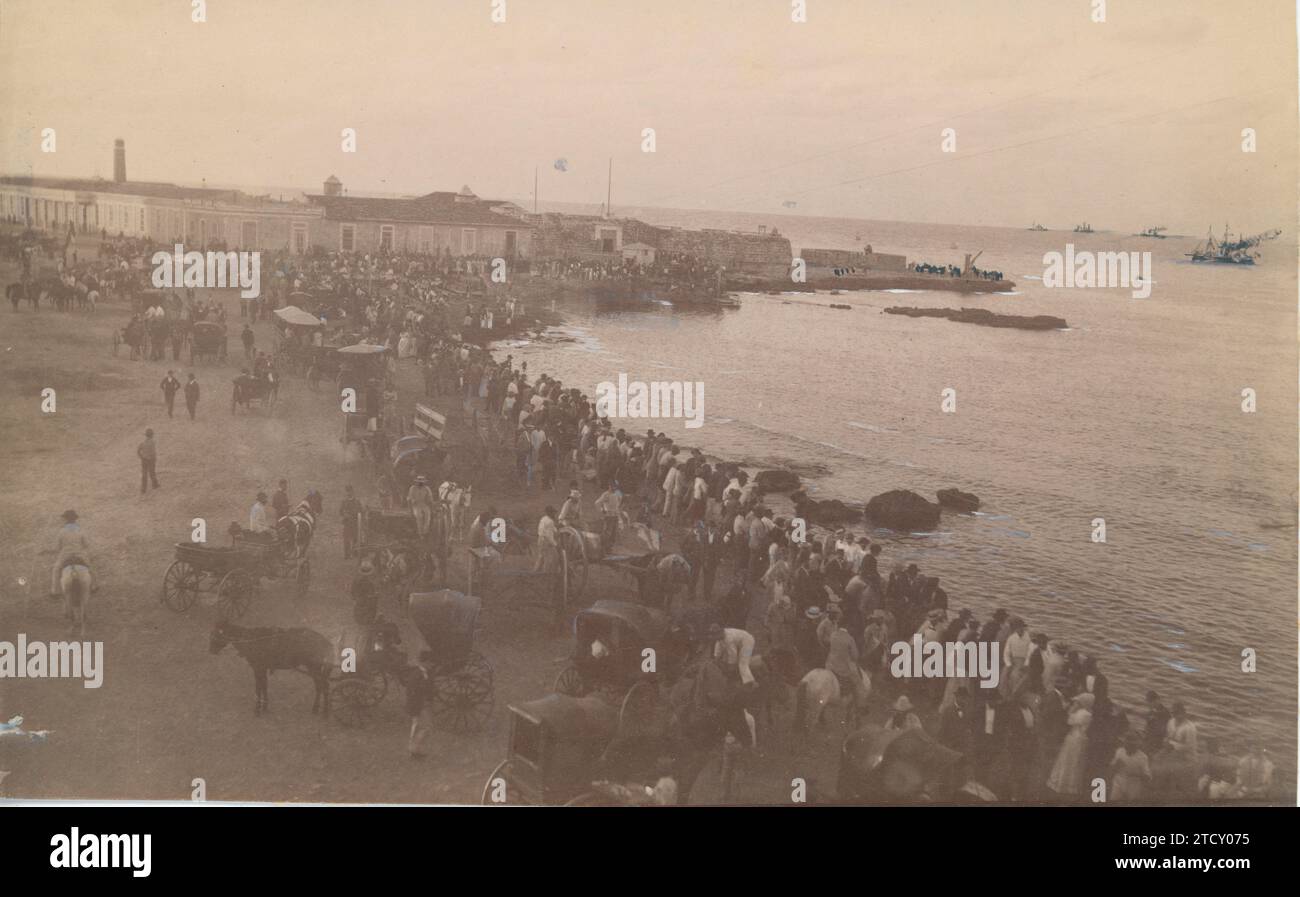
{"type": "Point", "coordinates": [1231, 250]}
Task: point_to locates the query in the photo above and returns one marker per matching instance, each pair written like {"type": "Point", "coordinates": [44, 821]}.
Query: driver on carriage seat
{"type": "Point", "coordinates": [259, 522]}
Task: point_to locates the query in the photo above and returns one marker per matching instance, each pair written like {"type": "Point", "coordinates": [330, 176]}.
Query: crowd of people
{"type": "Point", "coordinates": [1048, 730]}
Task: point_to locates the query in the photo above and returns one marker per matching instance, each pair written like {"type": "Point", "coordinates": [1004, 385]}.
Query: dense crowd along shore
{"type": "Point", "coordinates": [807, 599]}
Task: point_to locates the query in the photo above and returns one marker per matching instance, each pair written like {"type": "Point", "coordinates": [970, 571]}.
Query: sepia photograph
{"type": "Point", "coordinates": [611, 403]}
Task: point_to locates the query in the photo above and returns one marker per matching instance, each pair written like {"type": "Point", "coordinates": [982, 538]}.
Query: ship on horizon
{"type": "Point", "coordinates": [1230, 250]}
{"type": "Point", "coordinates": [1036, 226]}
{"type": "Point", "coordinates": [1156, 231]}
{"type": "Point", "coordinates": [1084, 228]}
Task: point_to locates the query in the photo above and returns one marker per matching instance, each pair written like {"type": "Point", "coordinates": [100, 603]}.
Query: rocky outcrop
{"type": "Point", "coordinates": [830, 512]}
{"type": "Point", "coordinates": [903, 510]}
{"type": "Point", "coordinates": [983, 317]}
{"type": "Point", "coordinates": [958, 500]}
{"type": "Point", "coordinates": [777, 480]}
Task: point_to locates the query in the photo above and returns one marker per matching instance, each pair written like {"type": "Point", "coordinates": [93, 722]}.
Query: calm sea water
{"type": "Point", "coordinates": [1133, 415]}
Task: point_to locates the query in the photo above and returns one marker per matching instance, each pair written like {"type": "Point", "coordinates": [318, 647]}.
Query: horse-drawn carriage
{"type": "Point", "coordinates": [232, 573]}
{"type": "Point", "coordinates": [262, 387]}
{"type": "Point", "coordinates": [611, 719]}
{"type": "Point", "coordinates": [208, 342]}
{"type": "Point", "coordinates": [627, 652]}
{"type": "Point", "coordinates": [459, 682]}
{"type": "Point", "coordinates": [516, 585]}
{"type": "Point", "coordinates": [389, 540]}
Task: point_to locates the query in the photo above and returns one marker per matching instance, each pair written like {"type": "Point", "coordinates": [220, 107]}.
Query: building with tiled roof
{"type": "Point", "coordinates": [438, 223]}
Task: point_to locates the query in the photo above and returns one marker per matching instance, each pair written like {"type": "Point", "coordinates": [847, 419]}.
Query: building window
{"type": "Point", "coordinates": [386, 237]}
{"type": "Point", "coordinates": [428, 240]}
{"type": "Point", "coordinates": [512, 240]}
{"type": "Point", "coordinates": [348, 238]}
{"type": "Point", "coordinates": [299, 242]}
{"type": "Point", "coordinates": [142, 219]}
{"type": "Point", "coordinates": [468, 240]}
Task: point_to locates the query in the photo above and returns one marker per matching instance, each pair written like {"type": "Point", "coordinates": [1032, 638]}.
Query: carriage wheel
{"type": "Point", "coordinates": [180, 586]}
{"type": "Point", "coordinates": [573, 555]}
{"type": "Point", "coordinates": [570, 683]}
{"type": "Point", "coordinates": [235, 594]}
{"type": "Point", "coordinates": [637, 715]}
{"type": "Point", "coordinates": [304, 577]}
{"type": "Point", "coordinates": [464, 698]}
{"type": "Point", "coordinates": [353, 700]}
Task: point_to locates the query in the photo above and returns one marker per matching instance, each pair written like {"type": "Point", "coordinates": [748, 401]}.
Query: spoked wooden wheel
{"type": "Point", "coordinates": [354, 699]}
{"type": "Point", "coordinates": [463, 699]}
{"type": "Point", "coordinates": [180, 586]}
{"type": "Point", "coordinates": [573, 556]}
{"type": "Point", "coordinates": [235, 594]}
{"type": "Point", "coordinates": [639, 712]}
{"type": "Point", "coordinates": [570, 683]}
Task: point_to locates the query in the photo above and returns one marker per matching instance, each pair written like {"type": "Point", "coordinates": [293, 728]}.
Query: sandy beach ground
{"type": "Point", "coordinates": [169, 712]}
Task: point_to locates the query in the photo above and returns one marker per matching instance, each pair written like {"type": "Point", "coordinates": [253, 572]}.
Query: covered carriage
{"type": "Point", "coordinates": [298, 334]}
{"type": "Point", "coordinates": [459, 687]}
{"type": "Point", "coordinates": [208, 341]}
{"type": "Point", "coordinates": [629, 654]}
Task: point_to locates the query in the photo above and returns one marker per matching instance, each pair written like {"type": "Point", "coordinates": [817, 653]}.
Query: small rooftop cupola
{"type": "Point", "coordinates": [333, 186]}
{"type": "Point", "coordinates": [466, 195]}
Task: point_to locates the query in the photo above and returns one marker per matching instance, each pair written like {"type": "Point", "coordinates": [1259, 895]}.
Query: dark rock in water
{"type": "Point", "coordinates": [958, 500]}
{"type": "Point", "coordinates": [903, 510]}
{"type": "Point", "coordinates": [826, 513]}
{"type": "Point", "coordinates": [777, 480]}
{"type": "Point", "coordinates": [983, 317]}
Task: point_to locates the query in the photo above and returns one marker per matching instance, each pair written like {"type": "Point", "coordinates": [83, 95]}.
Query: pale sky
{"type": "Point", "coordinates": [1126, 123]}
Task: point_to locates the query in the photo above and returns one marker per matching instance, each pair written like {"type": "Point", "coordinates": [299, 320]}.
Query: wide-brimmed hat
{"type": "Point", "coordinates": [422, 479]}
{"type": "Point", "coordinates": [876, 615]}
{"type": "Point", "coordinates": [69, 515]}
{"type": "Point", "coordinates": [902, 705]}
{"type": "Point", "coordinates": [813, 613]}
{"type": "Point", "coordinates": [261, 496]}
{"type": "Point", "coordinates": [366, 566]}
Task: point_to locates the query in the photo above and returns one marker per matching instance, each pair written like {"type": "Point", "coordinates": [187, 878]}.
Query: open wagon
{"type": "Point", "coordinates": [231, 573]}
{"type": "Point", "coordinates": [208, 341]}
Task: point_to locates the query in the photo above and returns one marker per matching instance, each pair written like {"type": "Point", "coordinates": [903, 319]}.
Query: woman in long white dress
{"type": "Point", "coordinates": [1067, 771]}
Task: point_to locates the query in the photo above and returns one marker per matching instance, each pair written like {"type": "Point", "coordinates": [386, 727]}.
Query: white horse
{"type": "Point", "coordinates": [75, 583]}
{"type": "Point", "coordinates": [457, 498]}
{"type": "Point", "coordinates": [818, 691]}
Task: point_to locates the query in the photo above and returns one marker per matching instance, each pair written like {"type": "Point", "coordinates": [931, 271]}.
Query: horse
{"type": "Point", "coordinates": [16, 293]}
{"type": "Point", "coordinates": [75, 583]}
{"type": "Point", "coordinates": [457, 498]}
{"type": "Point", "coordinates": [269, 649]}
{"type": "Point", "coordinates": [264, 388]}
{"type": "Point", "coordinates": [294, 530]}
{"type": "Point", "coordinates": [818, 691]}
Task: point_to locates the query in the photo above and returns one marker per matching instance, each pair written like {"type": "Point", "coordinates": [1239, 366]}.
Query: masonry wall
{"type": "Point", "coordinates": [843, 258]}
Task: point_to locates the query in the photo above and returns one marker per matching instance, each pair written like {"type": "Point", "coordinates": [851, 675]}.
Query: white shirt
{"type": "Point", "coordinates": [258, 521]}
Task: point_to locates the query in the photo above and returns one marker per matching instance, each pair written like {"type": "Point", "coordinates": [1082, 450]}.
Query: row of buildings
{"type": "Point", "coordinates": [439, 223]}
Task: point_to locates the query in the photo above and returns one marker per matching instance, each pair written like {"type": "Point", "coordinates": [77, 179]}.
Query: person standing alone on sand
{"type": "Point", "coordinates": [170, 386]}
{"type": "Point", "coordinates": [147, 452]}
{"type": "Point", "coordinates": [192, 396]}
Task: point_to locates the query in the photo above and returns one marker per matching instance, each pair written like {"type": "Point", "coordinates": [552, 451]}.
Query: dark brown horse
{"type": "Point", "coordinates": [269, 649]}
